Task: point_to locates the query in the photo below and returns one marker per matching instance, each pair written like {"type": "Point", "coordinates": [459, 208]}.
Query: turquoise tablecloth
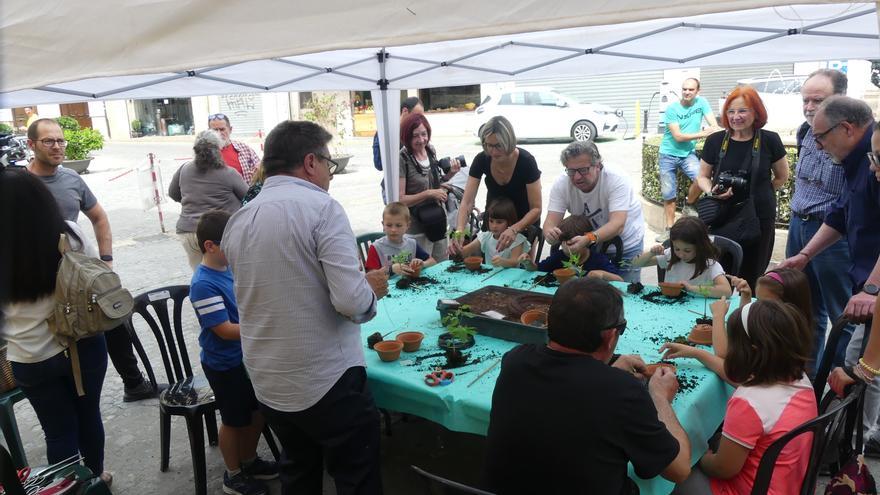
{"type": "Point", "coordinates": [399, 385]}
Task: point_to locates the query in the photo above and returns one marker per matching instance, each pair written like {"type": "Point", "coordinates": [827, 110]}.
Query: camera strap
{"type": "Point", "coordinates": [754, 160]}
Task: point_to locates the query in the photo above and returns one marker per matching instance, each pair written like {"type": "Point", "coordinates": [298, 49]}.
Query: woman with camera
{"type": "Point", "coordinates": [511, 172]}
{"type": "Point", "coordinates": [742, 167]}
{"type": "Point", "coordinates": [422, 187]}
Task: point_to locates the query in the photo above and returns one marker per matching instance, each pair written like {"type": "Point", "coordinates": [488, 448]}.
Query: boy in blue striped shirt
{"type": "Point", "coordinates": [212, 297]}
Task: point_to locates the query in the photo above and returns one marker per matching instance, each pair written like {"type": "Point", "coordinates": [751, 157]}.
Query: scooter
{"type": "Point", "coordinates": [14, 151]}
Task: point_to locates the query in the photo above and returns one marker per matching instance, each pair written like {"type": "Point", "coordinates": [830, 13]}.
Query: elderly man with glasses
{"type": "Point", "coordinates": [236, 154]}
{"type": "Point", "coordinates": [46, 139]}
{"type": "Point", "coordinates": [605, 197]}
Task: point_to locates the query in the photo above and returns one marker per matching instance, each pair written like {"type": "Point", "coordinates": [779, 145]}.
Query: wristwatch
{"type": "Point", "coordinates": [106, 257]}
{"type": "Point", "coordinates": [871, 289]}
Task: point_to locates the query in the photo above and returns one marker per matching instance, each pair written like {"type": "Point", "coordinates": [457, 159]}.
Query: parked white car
{"type": "Point", "coordinates": [542, 113]}
{"type": "Point", "coordinates": [782, 99]}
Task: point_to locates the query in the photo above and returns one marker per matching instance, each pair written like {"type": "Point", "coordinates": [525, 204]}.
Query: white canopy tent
{"type": "Point", "coordinates": [57, 52]}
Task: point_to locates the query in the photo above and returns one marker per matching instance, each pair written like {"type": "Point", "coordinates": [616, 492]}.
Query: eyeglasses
{"type": "Point", "coordinates": [52, 142]}
{"type": "Point", "coordinates": [491, 146]}
{"type": "Point", "coordinates": [874, 158]}
{"type": "Point", "coordinates": [820, 136]}
{"type": "Point", "coordinates": [332, 166]}
{"type": "Point", "coordinates": [620, 326]}
{"type": "Point", "coordinates": [218, 116]}
{"type": "Point", "coordinates": [583, 171]}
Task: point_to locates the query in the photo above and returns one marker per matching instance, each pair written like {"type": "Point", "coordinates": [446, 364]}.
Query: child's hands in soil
{"type": "Point", "coordinates": [672, 350]}
{"type": "Point", "coordinates": [415, 264]}
{"type": "Point", "coordinates": [401, 269]}
{"type": "Point", "coordinates": [499, 261]}
{"type": "Point", "coordinates": [525, 261]}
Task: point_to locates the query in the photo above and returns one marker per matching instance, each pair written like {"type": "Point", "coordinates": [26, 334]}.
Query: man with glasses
{"type": "Point", "coordinates": [818, 183]}
{"type": "Point", "coordinates": [684, 120]}
{"type": "Point", "coordinates": [605, 197]}
{"type": "Point", "coordinates": [302, 296]}
{"type": "Point", "coordinates": [844, 128]}
{"type": "Point", "coordinates": [46, 139]}
{"type": "Point", "coordinates": [236, 154]}
{"type": "Point", "coordinates": [567, 417]}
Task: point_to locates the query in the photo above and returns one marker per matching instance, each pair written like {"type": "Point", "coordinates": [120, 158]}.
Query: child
{"type": "Point", "coordinates": [769, 350]}
{"type": "Point", "coordinates": [214, 302]}
{"type": "Point", "coordinates": [501, 214]}
{"type": "Point", "coordinates": [593, 263]}
{"type": "Point", "coordinates": [692, 259]}
{"type": "Point", "coordinates": [395, 223]}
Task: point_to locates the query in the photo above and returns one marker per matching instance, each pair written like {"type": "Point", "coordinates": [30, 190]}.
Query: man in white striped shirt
{"type": "Point", "coordinates": [302, 294]}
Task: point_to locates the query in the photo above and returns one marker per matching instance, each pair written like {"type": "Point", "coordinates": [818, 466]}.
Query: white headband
{"type": "Point", "coordinates": [744, 317]}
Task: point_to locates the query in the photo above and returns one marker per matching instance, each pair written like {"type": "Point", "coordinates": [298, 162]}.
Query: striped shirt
{"type": "Point", "coordinates": [300, 290]}
{"type": "Point", "coordinates": [818, 182]}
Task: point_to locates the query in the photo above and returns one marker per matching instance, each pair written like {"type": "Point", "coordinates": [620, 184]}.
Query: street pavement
{"type": "Point", "coordinates": [147, 258]}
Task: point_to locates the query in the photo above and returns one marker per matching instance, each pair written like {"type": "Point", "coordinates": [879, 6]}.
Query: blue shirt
{"type": "Point", "coordinates": [856, 214]}
{"type": "Point", "coordinates": [689, 120]}
{"type": "Point", "coordinates": [817, 181]}
{"type": "Point", "coordinates": [213, 299]}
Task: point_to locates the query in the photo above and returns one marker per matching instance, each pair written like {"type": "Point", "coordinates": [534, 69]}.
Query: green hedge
{"type": "Point", "coordinates": [651, 179]}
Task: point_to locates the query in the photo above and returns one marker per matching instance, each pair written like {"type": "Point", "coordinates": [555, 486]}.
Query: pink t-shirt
{"type": "Point", "coordinates": [758, 416]}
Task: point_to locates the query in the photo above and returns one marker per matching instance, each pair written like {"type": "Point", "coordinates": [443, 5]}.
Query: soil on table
{"type": "Point", "coordinates": [657, 297]}
{"type": "Point", "coordinates": [545, 280]}
{"type": "Point", "coordinates": [635, 288]}
{"type": "Point", "coordinates": [704, 321]}
{"type": "Point", "coordinates": [511, 307]}
{"type": "Point", "coordinates": [415, 283]}
{"type": "Point", "coordinates": [429, 361]}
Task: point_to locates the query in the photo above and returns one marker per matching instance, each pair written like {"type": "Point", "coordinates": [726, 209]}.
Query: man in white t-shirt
{"type": "Point", "coordinates": [606, 197]}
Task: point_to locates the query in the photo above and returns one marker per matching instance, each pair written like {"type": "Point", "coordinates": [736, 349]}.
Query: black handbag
{"type": "Point", "coordinates": [736, 221]}
{"type": "Point", "coordinates": [431, 214]}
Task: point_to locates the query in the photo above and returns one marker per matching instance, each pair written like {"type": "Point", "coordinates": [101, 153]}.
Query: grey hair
{"type": "Point", "coordinates": [503, 130]}
{"type": "Point", "coordinates": [207, 151]}
{"type": "Point", "coordinates": [578, 148]}
{"type": "Point", "coordinates": [839, 109]}
{"type": "Point", "coordinates": [838, 79]}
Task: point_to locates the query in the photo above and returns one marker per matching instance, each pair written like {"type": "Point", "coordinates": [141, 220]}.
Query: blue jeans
{"type": "Point", "coordinates": [690, 165]}
{"type": "Point", "coordinates": [72, 424]}
{"type": "Point", "coordinates": [630, 273]}
{"type": "Point", "coordinates": [830, 285]}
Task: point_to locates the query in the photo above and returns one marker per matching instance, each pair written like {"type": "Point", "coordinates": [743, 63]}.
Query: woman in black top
{"type": "Point", "coordinates": [510, 172]}
{"type": "Point", "coordinates": [743, 116]}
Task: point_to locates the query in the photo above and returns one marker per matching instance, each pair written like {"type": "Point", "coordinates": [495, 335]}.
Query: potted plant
{"type": "Point", "coordinates": [702, 331]}
{"type": "Point", "coordinates": [405, 258]}
{"type": "Point", "coordinates": [327, 111]}
{"type": "Point", "coordinates": [572, 269]}
{"type": "Point", "coordinates": [457, 336]}
{"type": "Point", "coordinates": [461, 236]}
{"type": "Point", "coordinates": [136, 127]}
{"type": "Point", "coordinates": [80, 142]}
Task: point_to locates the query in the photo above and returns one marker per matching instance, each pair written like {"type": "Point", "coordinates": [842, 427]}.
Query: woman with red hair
{"type": "Point", "coordinates": [745, 162]}
{"type": "Point", "coordinates": [421, 180]}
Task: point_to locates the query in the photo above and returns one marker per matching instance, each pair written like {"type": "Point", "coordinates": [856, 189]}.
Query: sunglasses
{"type": "Point", "coordinates": [620, 326]}
{"type": "Point", "coordinates": [218, 116]}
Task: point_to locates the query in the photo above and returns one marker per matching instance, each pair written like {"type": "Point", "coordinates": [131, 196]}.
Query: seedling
{"type": "Point", "coordinates": [574, 263]}
{"type": "Point", "coordinates": [403, 257]}
{"type": "Point", "coordinates": [460, 235]}
{"type": "Point", "coordinates": [452, 321]}
{"type": "Point", "coordinates": [705, 291]}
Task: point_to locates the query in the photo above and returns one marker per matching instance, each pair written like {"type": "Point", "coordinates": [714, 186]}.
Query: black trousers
{"type": "Point", "coordinates": [342, 429]}
{"type": "Point", "coordinates": [756, 255]}
{"type": "Point", "coordinates": [122, 356]}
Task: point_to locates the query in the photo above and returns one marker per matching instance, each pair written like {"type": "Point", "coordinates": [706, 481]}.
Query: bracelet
{"type": "Point", "coordinates": [862, 374]}
{"type": "Point", "coordinates": [867, 368]}
{"type": "Point", "coordinates": [805, 255]}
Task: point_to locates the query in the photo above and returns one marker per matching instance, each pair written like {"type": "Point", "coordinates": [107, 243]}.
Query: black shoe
{"type": "Point", "coordinates": [261, 470]}
{"type": "Point", "coordinates": [143, 390]}
{"type": "Point", "coordinates": [242, 484]}
{"type": "Point", "coordinates": [872, 448]}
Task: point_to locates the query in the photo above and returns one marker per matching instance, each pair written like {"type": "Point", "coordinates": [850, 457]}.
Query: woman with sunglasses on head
{"type": "Point", "coordinates": [204, 184]}
{"type": "Point", "coordinates": [745, 161]}
{"type": "Point", "coordinates": [422, 185]}
{"type": "Point", "coordinates": [511, 172]}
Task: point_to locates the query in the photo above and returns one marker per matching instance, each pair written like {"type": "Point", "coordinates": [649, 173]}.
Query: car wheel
{"type": "Point", "coordinates": [583, 130]}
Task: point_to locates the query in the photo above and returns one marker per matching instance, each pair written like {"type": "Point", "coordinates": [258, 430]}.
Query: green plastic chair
{"type": "Point", "coordinates": [10, 427]}
{"type": "Point", "coordinates": [363, 244]}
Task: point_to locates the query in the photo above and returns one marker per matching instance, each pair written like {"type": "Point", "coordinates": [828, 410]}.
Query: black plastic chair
{"type": "Point", "coordinates": [730, 255]}
{"type": "Point", "coordinates": [617, 242]}
{"type": "Point", "coordinates": [188, 395]}
{"type": "Point", "coordinates": [438, 484]}
{"type": "Point", "coordinates": [824, 368]}
{"type": "Point", "coordinates": [364, 241]}
{"type": "Point", "coordinates": [823, 428]}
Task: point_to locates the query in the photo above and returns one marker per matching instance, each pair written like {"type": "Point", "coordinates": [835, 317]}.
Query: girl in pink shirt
{"type": "Point", "coordinates": [769, 347]}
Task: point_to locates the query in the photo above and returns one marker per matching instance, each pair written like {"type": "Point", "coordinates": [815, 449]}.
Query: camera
{"type": "Point", "coordinates": [738, 180]}
{"type": "Point", "coordinates": [446, 162]}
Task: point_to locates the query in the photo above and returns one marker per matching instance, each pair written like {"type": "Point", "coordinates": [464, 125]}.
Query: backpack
{"type": "Point", "coordinates": [801, 134]}
{"type": "Point", "coordinates": [89, 299]}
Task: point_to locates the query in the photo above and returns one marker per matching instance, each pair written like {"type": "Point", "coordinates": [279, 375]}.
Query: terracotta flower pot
{"type": "Point", "coordinates": [473, 263]}
{"type": "Point", "coordinates": [535, 318]}
{"type": "Point", "coordinates": [563, 275]}
{"type": "Point", "coordinates": [389, 350]}
{"type": "Point", "coordinates": [411, 340]}
{"type": "Point", "coordinates": [701, 334]}
{"type": "Point", "coordinates": [652, 368]}
{"type": "Point", "coordinates": [416, 272]}
{"type": "Point", "coordinates": [671, 289]}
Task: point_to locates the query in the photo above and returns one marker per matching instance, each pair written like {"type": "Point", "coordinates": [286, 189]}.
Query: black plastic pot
{"type": "Point", "coordinates": [446, 342]}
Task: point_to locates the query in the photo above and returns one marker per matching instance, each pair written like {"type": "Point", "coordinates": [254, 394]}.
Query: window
{"type": "Point", "coordinates": [516, 98]}
{"type": "Point", "coordinates": [542, 98]}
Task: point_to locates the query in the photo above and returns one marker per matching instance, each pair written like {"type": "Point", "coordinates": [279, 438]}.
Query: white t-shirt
{"type": "Point", "coordinates": [613, 192]}
{"type": "Point", "coordinates": [26, 329]}
{"type": "Point", "coordinates": [684, 272]}
{"type": "Point", "coordinates": [489, 245]}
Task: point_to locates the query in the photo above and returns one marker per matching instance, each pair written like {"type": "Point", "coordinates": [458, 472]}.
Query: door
{"type": "Point", "coordinates": [79, 111]}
